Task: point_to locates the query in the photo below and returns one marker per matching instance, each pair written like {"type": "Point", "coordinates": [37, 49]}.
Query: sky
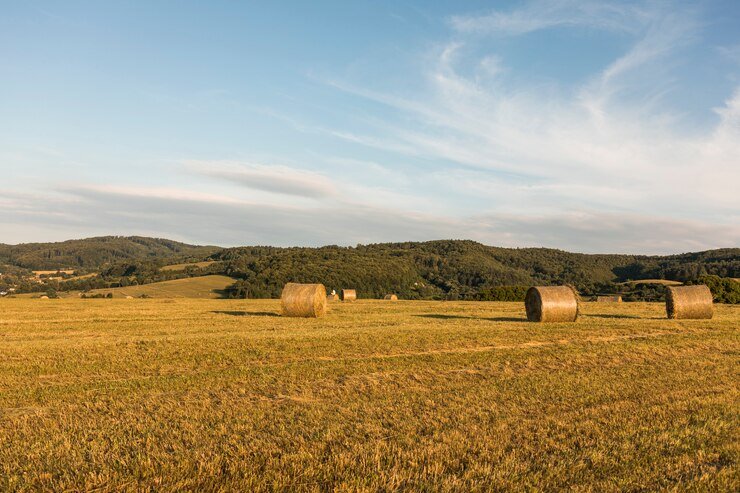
{"type": "Point", "coordinates": [589, 126]}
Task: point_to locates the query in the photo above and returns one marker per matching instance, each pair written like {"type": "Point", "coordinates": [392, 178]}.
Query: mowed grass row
{"type": "Point", "coordinates": [215, 395]}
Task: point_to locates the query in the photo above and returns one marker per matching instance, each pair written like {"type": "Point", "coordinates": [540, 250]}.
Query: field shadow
{"type": "Point", "coordinates": [444, 317]}
{"type": "Point", "coordinates": [505, 319]}
{"type": "Point", "coordinates": [614, 316]}
{"type": "Point", "coordinates": [246, 314]}
{"type": "Point", "coordinates": [440, 316]}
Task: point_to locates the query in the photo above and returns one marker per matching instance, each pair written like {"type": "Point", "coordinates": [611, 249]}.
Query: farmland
{"type": "Point", "coordinates": [196, 265]}
{"type": "Point", "coordinates": [202, 394]}
{"type": "Point", "coordinates": [195, 287]}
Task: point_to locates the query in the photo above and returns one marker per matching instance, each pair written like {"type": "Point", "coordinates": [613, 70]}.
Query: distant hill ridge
{"type": "Point", "coordinates": [415, 270]}
{"type": "Point", "coordinates": [456, 267]}
{"type": "Point", "coordinates": [93, 253]}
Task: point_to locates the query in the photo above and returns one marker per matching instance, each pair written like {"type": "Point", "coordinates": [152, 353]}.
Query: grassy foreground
{"type": "Point", "coordinates": [219, 395]}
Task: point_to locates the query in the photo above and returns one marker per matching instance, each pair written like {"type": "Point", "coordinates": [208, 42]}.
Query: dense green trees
{"type": "Point", "coordinates": [724, 290]}
{"type": "Point", "coordinates": [460, 270]}
{"type": "Point", "coordinates": [503, 293]}
{"type": "Point", "coordinates": [442, 269]}
{"type": "Point", "coordinates": [92, 253]}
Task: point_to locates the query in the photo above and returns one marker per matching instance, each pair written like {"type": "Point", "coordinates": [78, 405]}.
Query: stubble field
{"type": "Point", "coordinates": [222, 395]}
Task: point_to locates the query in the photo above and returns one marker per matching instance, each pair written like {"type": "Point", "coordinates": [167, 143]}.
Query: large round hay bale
{"type": "Point", "coordinates": [551, 304]}
{"type": "Point", "coordinates": [349, 295]}
{"type": "Point", "coordinates": [390, 297]}
{"type": "Point", "coordinates": [303, 300]}
{"type": "Point", "coordinates": [689, 302]}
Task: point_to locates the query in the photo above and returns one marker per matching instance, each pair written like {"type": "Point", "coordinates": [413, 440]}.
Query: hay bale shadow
{"type": "Point", "coordinates": [440, 316]}
{"type": "Point", "coordinates": [245, 314]}
{"type": "Point", "coordinates": [612, 316]}
{"type": "Point", "coordinates": [444, 317]}
{"type": "Point", "coordinates": [505, 319]}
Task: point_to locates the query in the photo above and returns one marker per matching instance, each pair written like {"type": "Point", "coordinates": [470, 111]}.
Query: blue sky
{"type": "Point", "coordinates": [582, 125]}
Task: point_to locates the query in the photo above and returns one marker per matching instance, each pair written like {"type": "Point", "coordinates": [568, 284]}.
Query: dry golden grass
{"type": "Point", "coordinates": [192, 287]}
{"type": "Point", "coordinates": [664, 282]}
{"type": "Point", "coordinates": [199, 265]}
{"type": "Point", "coordinates": [84, 276]}
{"type": "Point", "coordinates": [222, 395]}
{"type": "Point", "coordinates": [39, 273]}
{"type": "Point", "coordinates": [210, 287]}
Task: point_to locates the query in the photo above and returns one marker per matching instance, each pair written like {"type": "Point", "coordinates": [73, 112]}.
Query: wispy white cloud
{"type": "Point", "coordinates": [641, 70]}
{"type": "Point", "coordinates": [270, 178]}
{"type": "Point", "coordinates": [203, 218]}
{"type": "Point", "coordinates": [608, 164]}
{"type": "Point", "coordinates": [731, 52]}
{"type": "Point", "coordinates": [543, 14]}
{"type": "Point", "coordinates": [597, 148]}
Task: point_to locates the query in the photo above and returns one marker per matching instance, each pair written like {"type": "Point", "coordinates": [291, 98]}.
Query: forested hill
{"type": "Point", "coordinates": [456, 268]}
{"type": "Point", "coordinates": [93, 253]}
{"type": "Point", "coordinates": [414, 270]}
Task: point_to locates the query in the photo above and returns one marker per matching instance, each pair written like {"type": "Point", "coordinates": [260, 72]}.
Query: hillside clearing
{"type": "Point", "coordinates": [664, 282]}
{"type": "Point", "coordinates": [223, 394]}
{"type": "Point", "coordinates": [39, 273]}
{"type": "Point", "coordinates": [199, 265]}
{"type": "Point", "coordinates": [190, 287]}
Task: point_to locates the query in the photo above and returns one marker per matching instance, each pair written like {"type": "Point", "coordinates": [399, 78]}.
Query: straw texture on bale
{"type": "Point", "coordinates": [390, 297]}
{"type": "Point", "coordinates": [349, 295]}
{"type": "Point", "coordinates": [303, 300]}
{"type": "Point", "coordinates": [688, 302]}
{"type": "Point", "coordinates": [609, 299]}
{"type": "Point", "coordinates": [551, 304]}
{"type": "Point", "coordinates": [332, 297]}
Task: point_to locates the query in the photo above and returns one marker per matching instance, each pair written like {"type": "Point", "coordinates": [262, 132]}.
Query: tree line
{"type": "Point", "coordinates": [446, 269]}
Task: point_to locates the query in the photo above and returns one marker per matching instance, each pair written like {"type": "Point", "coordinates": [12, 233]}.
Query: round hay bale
{"type": "Point", "coordinates": [689, 302]}
{"type": "Point", "coordinates": [390, 297]}
{"type": "Point", "coordinates": [332, 297]}
{"type": "Point", "coordinates": [349, 295]}
{"type": "Point", "coordinates": [551, 304]}
{"type": "Point", "coordinates": [303, 300]}
{"type": "Point", "coordinates": [43, 297]}
{"type": "Point", "coordinates": [609, 299]}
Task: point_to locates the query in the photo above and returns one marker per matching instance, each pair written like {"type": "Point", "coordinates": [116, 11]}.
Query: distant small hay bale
{"type": "Point", "coordinates": [609, 299]}
{"type": "Point", "coordinates": [390, 297]}
{"type": "Point", "coordinates": [687, 302]}
{"type": "Point", "coordinates": [332, 297]}
{"type": "Point", "coordinates": [43, 297]}
{"type": "Point", "coordinates": [552, 304]}
{"type": "Point", "coordinates": [349, 295]}
{"type": "Point", "coordinates": [129, 297]}
{"type": "Point", "coordinates": [303, 300]}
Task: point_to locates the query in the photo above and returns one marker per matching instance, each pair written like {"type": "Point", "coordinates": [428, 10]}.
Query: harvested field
{"type": "Point", "coordinates": [198, 265]}
{"type": "Point", "coordinates": [192, 287]}
{"type": "Point", "coordinates": [210, 395]}
{"type": "Point", "coordinates": [663, 282]}
{"type": "Point", "coordinates": [39, 273]}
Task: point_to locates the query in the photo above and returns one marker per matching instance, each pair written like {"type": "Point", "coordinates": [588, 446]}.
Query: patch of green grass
{"type": "Point", "coordinates": [208, 395]}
